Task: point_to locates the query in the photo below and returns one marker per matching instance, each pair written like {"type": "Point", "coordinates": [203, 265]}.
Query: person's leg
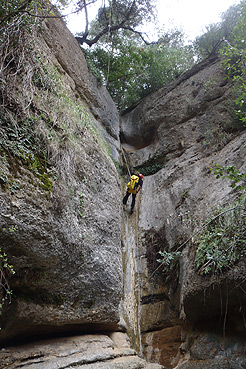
{"type": "Point", "coordinates": [126, 197]}
{"type": "Point", "coordinates": [133, 202]}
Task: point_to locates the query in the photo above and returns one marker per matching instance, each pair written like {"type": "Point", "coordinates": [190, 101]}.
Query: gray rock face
{"type": "Point", "coordinates": [68, 265]}
{"type": "Point", "coordinates": [184, 128]}
{"type": "Point", "coordinates": [61, 228]}
{"type": "Point", "coordinates": [188, 115]}
{"type": "Point", "coordinates": [66, 54]}
{"type": "Point", "coordinates": [72, 249]}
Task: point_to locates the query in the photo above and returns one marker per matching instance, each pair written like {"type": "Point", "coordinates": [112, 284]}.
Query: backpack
{"type": "Point", "coordinates": [133, 184]}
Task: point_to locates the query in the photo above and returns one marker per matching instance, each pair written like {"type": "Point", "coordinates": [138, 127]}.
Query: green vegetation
{"type": "Point", "coordinates": [218, 33]}
{"type": "Point", "coordinates": [131, 69]}
{"type": "Point", "coordinates": [40, 117]}
{"type": "Point", "coordinates": [150, 169]}
{"type": "Point", "coordinates": [19, 139]}
{"type": "Point", "coordinates": [223, 243]}
{"type": "Point", "coordinates": [6, 270]}
{"type": "Point", "coordinates": [169, 263]}
{"type": "Point", "coordinates": [113, 17]}
{"type": "Point", "coordinates": [81, 205]}
{"type": "Point", "coordinates": [220, 246]}
{"type": "Point", "coordinates": [20, 145]}
{"type": "Point", "coordinates": [121, 57]}
{"type": "Point", "coordinates": [130, 66]}
{"type": "Point", "coordinates": [227, 40]}
{"type": "Point", "coordinates": [238, 179]}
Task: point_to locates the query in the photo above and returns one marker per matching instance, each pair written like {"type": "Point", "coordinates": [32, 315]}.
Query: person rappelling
{"type": "Point", "coordinates": [133, 187]}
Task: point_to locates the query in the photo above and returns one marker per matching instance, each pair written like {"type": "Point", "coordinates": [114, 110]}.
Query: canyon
{"type": "Point", "coordinates": [88, 291]}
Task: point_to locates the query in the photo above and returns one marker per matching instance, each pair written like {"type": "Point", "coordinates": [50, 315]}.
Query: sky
{"type": "Point", "coordinates": [191, 16]}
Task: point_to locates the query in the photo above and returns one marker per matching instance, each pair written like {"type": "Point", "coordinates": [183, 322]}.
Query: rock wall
{"type": "Point", "coordinates": [178, 133]}
{"type": "Point", "coordinates": [83, 265]}
{"type": "Point", "coordinates": [63, 236]}
{"type": "Point", "coordinates": [60, 216]}
{"type": "Point", "coordinates": [66, 54]}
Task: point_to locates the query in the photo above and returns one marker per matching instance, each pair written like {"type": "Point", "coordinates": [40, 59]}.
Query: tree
{"type": "Point", "coordinates": [131, 69]}
{"type": "Point", "coordinates": [210, 42]}
{"type": "Point", "coordinates": [116, 15]}
{"type": "Point", "coordinates": [112, 16]}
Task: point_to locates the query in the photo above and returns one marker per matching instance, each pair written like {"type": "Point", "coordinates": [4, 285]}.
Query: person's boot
{"type": "Point", "coordinates": [131, 211]}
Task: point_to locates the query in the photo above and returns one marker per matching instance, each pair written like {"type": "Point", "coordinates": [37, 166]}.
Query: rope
{"type": "Point", "coordinates": [112, 46]}
{"type": "Point", "coordinates": [109, 57]}
{"type": "Point", "coordinates": [122, 149]}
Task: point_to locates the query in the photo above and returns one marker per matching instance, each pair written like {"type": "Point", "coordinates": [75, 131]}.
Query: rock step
{"type": "Point", "coordinates": [87, 352]}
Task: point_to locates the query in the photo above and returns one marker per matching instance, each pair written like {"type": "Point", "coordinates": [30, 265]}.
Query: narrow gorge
{"type": "Point", "coordinates": [88, 291]}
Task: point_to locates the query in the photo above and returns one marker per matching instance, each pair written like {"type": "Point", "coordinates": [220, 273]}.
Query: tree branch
{"type": "Point", "coordinates": [113, 27]}
{"type": "Point", "coordinates": [19, 10]}
{"type": "Point", "coordinates": [82, 39]}
{"type": "Point", "coordinates": [140, 34]}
